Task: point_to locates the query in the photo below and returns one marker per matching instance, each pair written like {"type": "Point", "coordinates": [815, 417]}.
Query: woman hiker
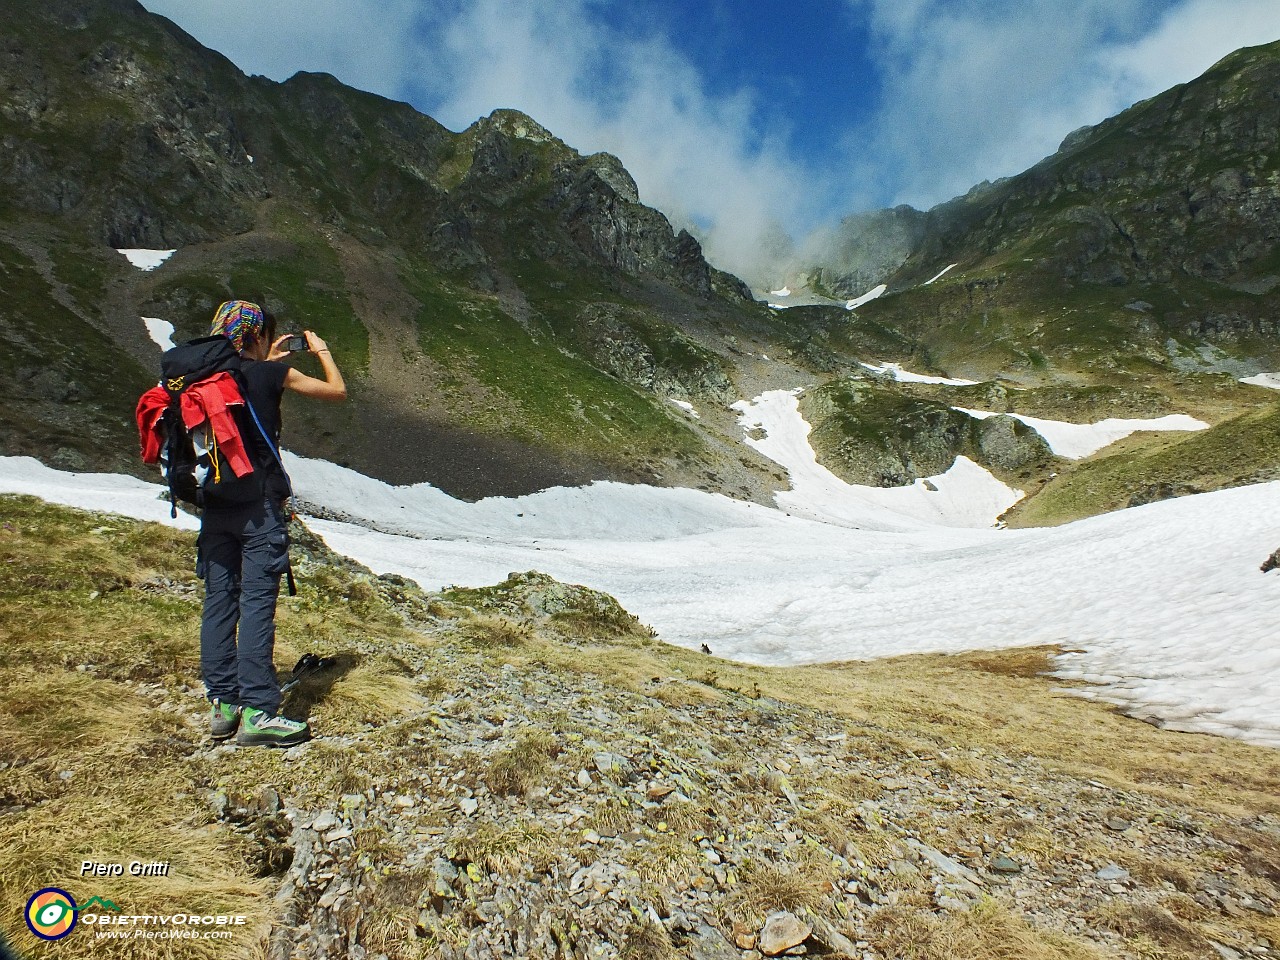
{"type": "Point", "coordinates": [243, 548]}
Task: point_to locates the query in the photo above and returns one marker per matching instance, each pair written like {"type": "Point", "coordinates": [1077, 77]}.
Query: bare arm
{"type": "Point", "coordinates": [331, 388]}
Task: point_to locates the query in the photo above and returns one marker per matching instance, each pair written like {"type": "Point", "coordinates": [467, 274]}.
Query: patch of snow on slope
{"type": "Point", "coordinates": [784, 292]}
{"type": "Point", "coordinates": [687, 407]}
{"type": "Point", "coordinates": [160, 331]}
{"type": "Point", "coordinates": [942, 273]}
{"type": "Point", "coordinates": [1076, 441]}
{"type": "Point", "coordinates": [965, 496]}
{"type": "Point", "coordinates": [604, 511]}
{"type": "Point", "coordinates": [106, 492]}
{"type": "Point", "coordinates": [865, 298]}
{"type": "Point", "coordinates": [1269, 380]}
{"type": "Point", "coordinates": [906, 376]}
{"type": "Point", "coordinates": [147, 259]}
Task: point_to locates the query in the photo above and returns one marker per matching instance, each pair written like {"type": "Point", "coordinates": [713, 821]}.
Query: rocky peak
{"type": "Point", "coordinates": [513, 123]}
{"type": "Point", "coordinates": [611, 171]}
{"type": "Point", "coordinates": [192, 146]}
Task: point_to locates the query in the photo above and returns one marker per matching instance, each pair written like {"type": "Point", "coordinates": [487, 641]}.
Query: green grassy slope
{"type": "Point", "coordinates": [1244, 449]}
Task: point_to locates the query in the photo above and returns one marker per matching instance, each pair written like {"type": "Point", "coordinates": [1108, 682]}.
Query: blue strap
{"type": "Point", "coordinates": [293, 588]}
{"type": "Point", "coordinates": [270, 445]}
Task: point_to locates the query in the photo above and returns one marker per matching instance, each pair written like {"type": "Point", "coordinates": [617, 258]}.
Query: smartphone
{"type": "Point", "coordinates": [295, 343]}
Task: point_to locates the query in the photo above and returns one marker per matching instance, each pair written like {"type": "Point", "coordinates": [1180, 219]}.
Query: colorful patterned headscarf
{"type": "Point", "coordinates": [237, 320]}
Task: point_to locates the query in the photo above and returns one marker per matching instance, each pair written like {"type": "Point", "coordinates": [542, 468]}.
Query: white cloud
{"type": "Point", "coordinates": [700, 159]}
{"type": "Point", "coordinates": [976, 89]}
{"type": "Point", "coordinates": [1189, 40]}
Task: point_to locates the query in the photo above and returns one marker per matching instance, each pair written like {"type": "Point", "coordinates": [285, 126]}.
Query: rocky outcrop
{"type": "Point", "coordinates": [878, 436]}
{"type": "Point", "coordinates": [868, 248]}
{"type": "Point", "coordinates": [598, 204]}
{"type": "Point", "coordinates": [659, 359]}
{"type": "Point", "coordinates": [159, 156]}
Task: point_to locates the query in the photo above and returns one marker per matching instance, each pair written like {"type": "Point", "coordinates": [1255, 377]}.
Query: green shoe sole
{"type": "Point", "coordinates": [258, 729]}
{"type": "Point", "coordinates": [271, 740]}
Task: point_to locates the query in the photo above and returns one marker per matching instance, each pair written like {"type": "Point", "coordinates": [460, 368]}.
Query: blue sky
{"type": "Point", "coordinates": [758, 124]}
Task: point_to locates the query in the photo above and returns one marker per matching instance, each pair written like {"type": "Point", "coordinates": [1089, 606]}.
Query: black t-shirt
{"type": "Point", "coordinates": [264, 380]}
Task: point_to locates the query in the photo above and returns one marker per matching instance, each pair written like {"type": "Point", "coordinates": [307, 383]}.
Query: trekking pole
{"type": "Point", "coordinates": [309, 665]}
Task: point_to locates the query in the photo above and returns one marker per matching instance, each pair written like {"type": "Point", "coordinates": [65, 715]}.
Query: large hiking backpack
{"type": "Point", "coordinates": [209, 461]}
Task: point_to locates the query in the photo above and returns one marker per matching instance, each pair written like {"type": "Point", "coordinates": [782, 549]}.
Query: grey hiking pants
{"type": "Point", "coordinates": [242, 553]}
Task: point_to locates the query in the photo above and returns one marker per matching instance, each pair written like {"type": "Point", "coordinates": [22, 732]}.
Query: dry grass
{"type": "Point", "coordinates": [1156, 932]}
{"type": "Point", "coordinates": [373, 691]}
{"type": "Point", "coordinates": [615, 815]}
{"type": "Point", "coordinates": [31, 730]}
{"type": "Point", "coordinates": [647, 941]}
{"type": "Point", "coordinates": [498, 848]}
{"type": "Point", "coordinates": [489, 631]}
{"type": "Point", "coordinates": [834, 823]}
{"type": "Point", "coordinates": [1154, 870]}
{"type": "Point", "coordinates": [986, 932]}
{"type": "Point", "coordinates": [205, 874]}
{"type": "Point", "coordinates": [679, 695]}
{"type": "Point", "coordinates": [681, 817]}
{"type": "Point", "coordinates": [525, 764]}
{"type": "Point", "coordinates": [977, 704]}
{"type": "Point", "coordinates": [103, 768]}
{"type": "Point", "coordinates": [768, 887]}
{"type": "Point", "coordinates": [390, 930]}
{"type": "Point", "coordinates": [664, 861]}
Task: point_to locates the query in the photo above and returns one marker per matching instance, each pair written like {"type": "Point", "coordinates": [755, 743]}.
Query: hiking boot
{"type": "Point", "coordinates": [223, 720]}
{"type": "Point", "coordinates": [261, 729]}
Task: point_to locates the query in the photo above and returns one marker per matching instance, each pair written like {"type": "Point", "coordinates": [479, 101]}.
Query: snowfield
{"type": "Point", "coordinates": [1075, 441]}
{"type": "Point", "coordinates": [1163, 606]}
{"type": "Point", "coordinates": [867, 297]}
{"type": "Point", "coordinates": [1269, 380]}
{"type": "Point", "coordinates": [146, 259]}
{"type": "Point", "coordinates": [906, 376]}
{"type": "Point", "coordinates": [160, 332]}
{"type": "Point", "coordinates": [941, 273]}
{"type": "Point", "coordinates": [687, 407]}
{"type": "Point", "coordinates": [965, 496]}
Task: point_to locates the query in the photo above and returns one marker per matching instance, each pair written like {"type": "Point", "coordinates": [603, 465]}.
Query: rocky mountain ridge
{"type": "Point", "coordinates": [375, 224]}
{"type": "Point", "coordinates": [512, 315]}
{"type": "Point", "coordinates": [192, 146]}
{"type": "Point", "coordinates": [1181, 191]}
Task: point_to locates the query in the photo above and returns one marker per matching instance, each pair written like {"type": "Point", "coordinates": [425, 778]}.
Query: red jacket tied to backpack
{"type": "Point", "coordinates": [209, 400]}
{"type": "Point", "coordinates": [195, 424]}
